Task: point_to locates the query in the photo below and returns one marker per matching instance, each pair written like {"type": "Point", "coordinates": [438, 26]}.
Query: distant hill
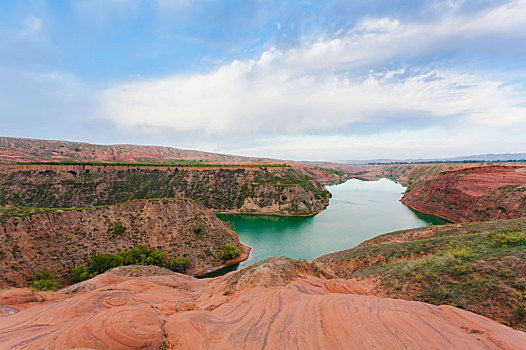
{"type": "Point", "coordinates": [20, 150]}
{"type": "Point", "coordinates": [504, 157]}
{"type": "Point", "coordinates": [14, 150]}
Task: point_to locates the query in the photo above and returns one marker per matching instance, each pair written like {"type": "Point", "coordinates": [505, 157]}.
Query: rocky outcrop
{"type": "Point", "coordinates": [278, 304]}
{"type": "Point", "coordinates": [472, 194]}
{"type": "Point", "coordinates": [31, 240]}
{"type": "Point", "coordinates": [276, 190]}
{"type": "Point", "coordinates": [480, 267]}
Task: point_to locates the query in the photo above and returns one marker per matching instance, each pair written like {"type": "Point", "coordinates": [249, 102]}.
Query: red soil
{"type": "Point", "coordinates": [472, 194]}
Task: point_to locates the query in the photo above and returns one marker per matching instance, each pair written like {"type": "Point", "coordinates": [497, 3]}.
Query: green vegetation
{"type": "Point", "coordinates": [506, 238]}
{"type": "Point", "coordinates": [100, 263]}
{"type": "Point", "coordinates": [179, 264]}
{"type": "Point", "coordinates": [21, 211]}
{"type": "Point", "coordinates": [118, 228]}
{"type": "Point", "coordinates": [81, 273]}
{"type": "Point", "coordinates": [478, 267]}
{"type": "Point", "coordinates": [219, 188]}
{"type": "Point", "coordinates": [44, 280]}
{"type": "Point", "coordinates": [231, 251]}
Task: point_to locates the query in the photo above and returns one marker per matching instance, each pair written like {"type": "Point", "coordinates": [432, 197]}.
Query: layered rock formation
{"type": "Point", "coordinates": [277, 304]}
{"type": "Point", "coordinates": [232, 189]}
{"type": "Point", "coordinates": [17, 150]}
{"type": "Point", "coordinates": [32, 240]}
{"type": "Point", "coordinates": [472, 194]}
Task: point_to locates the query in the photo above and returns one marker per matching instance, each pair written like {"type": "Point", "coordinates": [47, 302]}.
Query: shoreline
{"type": "Point", "coordinates": [245, 254]}
{"type": "Point", "coordinates": [237, 212]}
{"type": "Point", "coordinates": [429, 213]}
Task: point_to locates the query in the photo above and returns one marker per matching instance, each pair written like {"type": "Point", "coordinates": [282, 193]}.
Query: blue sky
{"type": "Point", "coordinates": [313, 80]}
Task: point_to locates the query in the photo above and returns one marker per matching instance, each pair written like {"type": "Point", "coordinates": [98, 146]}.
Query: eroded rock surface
{"type": "Point", "coordinates": [472, 194]}
{"type": "Point", "coordinates": [275, 190]}
{"type": "Point", "coordinates": [61, 240]}
{"type": "Point", "coordinates": [277, 304]}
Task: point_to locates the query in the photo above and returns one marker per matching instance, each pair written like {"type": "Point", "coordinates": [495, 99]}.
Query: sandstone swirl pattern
{"type": "Point", "coordinates": [276, 304]}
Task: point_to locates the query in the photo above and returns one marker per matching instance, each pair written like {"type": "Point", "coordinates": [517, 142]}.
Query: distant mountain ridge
{"type": "Point", "coordinates": [13, 150]}
{"type": "Point", "coordinates": [489, 157]}
{"type": "Point", "coordinates": [23, 150]}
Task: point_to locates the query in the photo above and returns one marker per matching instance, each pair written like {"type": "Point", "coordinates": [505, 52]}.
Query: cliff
{"type": "Point", "coordinates": [35, 239]}
{"type": "Point", "coordinates": [405, 174]}
{"type": "Point", "coordinates": [278, 190]}
{"type": "Point", "coordinates": [472, 194]}
{"type": "Point", "coordinates": [276, 304]}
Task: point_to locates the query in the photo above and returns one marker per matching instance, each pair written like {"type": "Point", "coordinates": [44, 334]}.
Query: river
{"type": "Point", "coordinates": [358, 210]}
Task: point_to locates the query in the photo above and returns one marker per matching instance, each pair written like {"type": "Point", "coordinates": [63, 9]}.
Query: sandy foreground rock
{"type": "Point", "coordinates": [276, 304]}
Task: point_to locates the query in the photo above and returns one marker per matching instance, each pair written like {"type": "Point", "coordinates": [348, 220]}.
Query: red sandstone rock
{"type": "Point", "coordinates": [279, 304]}
{"type": "Point", "coordinates": [472, 194]}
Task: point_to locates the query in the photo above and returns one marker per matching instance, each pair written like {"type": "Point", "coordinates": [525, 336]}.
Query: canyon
{"type": "Point", "coordinates": [59, 239]}
{"type": "Point", "coordinates": [458, 285]}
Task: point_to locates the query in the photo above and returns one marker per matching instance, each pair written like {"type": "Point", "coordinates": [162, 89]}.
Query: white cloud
{"type": "Point", "coordinates": [31, 29]}
{"type": "Point", "coordinates": [321, 88]}
{"type": "Point", "coordinates": [378, 25]}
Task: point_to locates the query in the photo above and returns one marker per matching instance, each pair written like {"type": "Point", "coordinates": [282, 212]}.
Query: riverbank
{"type": "Point", "coordinates": [358, 210]}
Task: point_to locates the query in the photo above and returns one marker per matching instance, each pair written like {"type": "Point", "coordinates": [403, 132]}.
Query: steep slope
{"type": "Point", "coordinates": [277, 304]}
{"type": "Point", "coordinates": [472, 194]}
{"type": "Point", "coordinates": [235, 189]}
{"type": "Point", "coordinates": [405, 174]}
{"type": "Point", "coordinates": [478, 267]}
{"type": "Point", "coordinates": [33, 239]}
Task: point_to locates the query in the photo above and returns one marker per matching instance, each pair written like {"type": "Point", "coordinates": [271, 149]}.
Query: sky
{"type": "Point", "coordinates": [303, 80]}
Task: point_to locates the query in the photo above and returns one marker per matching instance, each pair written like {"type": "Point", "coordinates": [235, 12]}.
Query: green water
{"type": "Point", "coordinates": [358, 210]}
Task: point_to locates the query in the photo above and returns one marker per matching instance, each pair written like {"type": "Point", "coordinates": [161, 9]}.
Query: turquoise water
{"type": "Point", "coordinates": [358, 210]}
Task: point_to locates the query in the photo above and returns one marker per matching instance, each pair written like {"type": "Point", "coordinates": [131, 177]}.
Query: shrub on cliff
{"type": "Point", "coordinates": [44, 280]}
{"type": "Point", "coordinates": [100, 263]}
{"type": "Point", "coordinates": [118, 228]}
{"type": "Point", "coordinates": [143, 255]}
{"type": "Point", "coordinates": [179, 264]}
{"type": "Point", "coordinates": [231, 251]}
{"type": "Point", "coordinates": [80, 273]}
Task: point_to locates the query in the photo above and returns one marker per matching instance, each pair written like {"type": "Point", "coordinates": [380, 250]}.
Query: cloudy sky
{"type": "Point", "coordinates": [306, 80]}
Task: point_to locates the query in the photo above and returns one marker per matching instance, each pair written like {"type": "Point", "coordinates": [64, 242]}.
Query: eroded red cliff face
{"type": "Point", "coordinates": [472, 194]}
{"type": "Point", "coordinates": [61, 240]}
{"type": "Point", "coordinates": [233, 189]}
{"type": "Point", "coordinates": [278, 304]}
